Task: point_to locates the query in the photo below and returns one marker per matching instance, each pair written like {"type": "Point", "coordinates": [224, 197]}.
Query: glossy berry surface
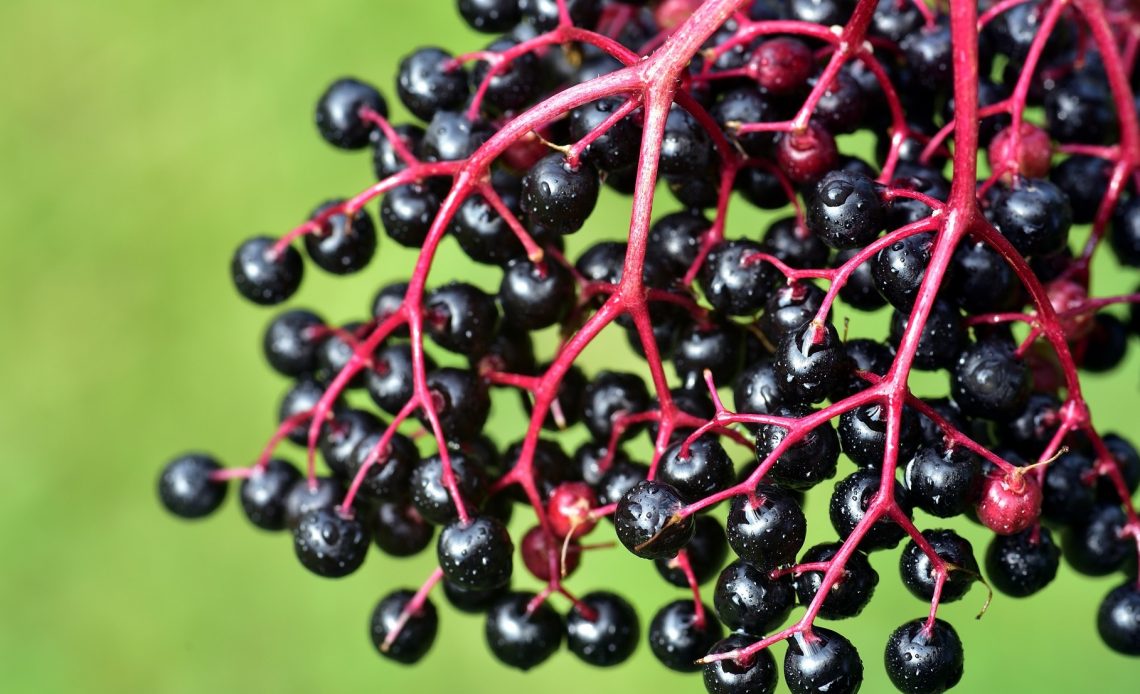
{"type": "Point", "coordinates": [609, 636]}
{"type": "Point", "coordinates": [520, 639]}
{"type": "Point", "coordinates": [924, 661]}
{"type": "Point", "coordinates": [678, 637]}
{"type": "Point", "coordinates": [186, 489]}
{"type": "Point", "coordinates": [405, 642]}
{"type": "Point", "coordinates": [825, 661]}
{"type": "Point", "coordinates": [476, 555]}
{"type": "Point", "coordinates": [329, 544]}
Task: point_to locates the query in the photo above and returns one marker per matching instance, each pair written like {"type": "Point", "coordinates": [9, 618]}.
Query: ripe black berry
{"type": "Point", "coordinates": [918, 573]}
{"type": "Point", "coordinates": [607, 638]}
{"type": "Point", "coordinates": [185, 487]}
{"type": "Point", "coordinates": [805, 463]}
{"type": "Point", "coordinates": [476, 555]}
{"type": "Point", "coordinates": [733, 280]}
{"type": "Point", "coordinates": [848, 595]}
{"type": "Point", "coordinates": [924, 661]}
{"type": "Point", "coordinates": [706, 552]}
{"type": "Point", "coordinates": [342, 247]}
{"type": "Point", "coordinates": [822, 660]}
{"type": "Point", "coordinates": [416, 635]}
{"type": "Point", "coordinates": [559, 197]}
{"type": "Point", "coordinates": [849, 503]}
{"type": "Point", "coordinates": [810, 362]}
{"type": "Point", "coordinates": [648, 523]}
{"type": "Point", "coordinates": [943, 481]}
{"type": "Point", "coordinates": [758, 675]}
{"type": "Point", "coordinates": [264, 492]}
{"type": "Point", "coordinates": [844, 210]}
{"type": "Point", "coordinates": [750, 600]}
{"type": "Point", "coordinates": [1021, 564]}
{"type": "Point", "coordinates": [430, 495]}
{"type": "Point", "coordinates": [990, 380]}
{"type": "Point", "coordinates": [766, 528]}
{"type": "Point", "coordinates": [461, 318]}
{"type": "Point", "coordinates": [263, 276]}
{"type": "Point", "coordinates": [520, 639]}
{"type": "Point", "coordinates": [398, 529]}
{"type": "Point", "coordinates": [330, 544]}
{"type": "Point", "coordinates": [679, 639]}
{"type": "Point", "coordinates": [407, 213]}
{"type": "Point", "coordinates": [863, 433]}
{"type": "Point", "coordinates": [1118, 620]}
{"type": "Point", "coordinates": [536, 295]}
{"type": "Point", "coordinates": [1034, 215]}
{"type": "Point", "coordinates": [338, 113]}
{"type": "Point", "coordinates": [702, 470]}
{"type": "Point", "coordinates": [426, 86]}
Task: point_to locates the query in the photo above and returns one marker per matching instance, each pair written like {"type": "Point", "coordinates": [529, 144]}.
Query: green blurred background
{"type": "Point", "coordinates": [141, 140]}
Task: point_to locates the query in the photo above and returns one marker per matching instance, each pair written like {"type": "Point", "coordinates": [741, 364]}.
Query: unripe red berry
{"type": "Point", "coordinates": [1010, 502]}
{"type": "Point", "coordinates": [569, 509]}
{"type": "Point", "coordinates": [535, 551]}
{"type": "Point", "coordinates": [1067, 295]}
{"type": "Point", "coordinates": [806, 156]}
{"type": "Point", "coordinates": [782, 65]}
{"type": "Point", "coordinates": [1030, 157]}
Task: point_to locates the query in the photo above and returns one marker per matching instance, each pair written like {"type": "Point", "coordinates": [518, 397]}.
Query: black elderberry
{"type": "Point", "coordinates": [342, 246]}
{"type": "Point", "coordinates": [427, 84]}
{"type": "Point", "coordinates": [676, 239]}
{"type": "Point", "coordinates": [520, 638]}
{"type": "Point", "coordinates": [810, 362]}
{"type": "Point", "coordinates": [475, 555]}
{"type": "Point", "coordinates": [388, 476]}
{"type": "Point", "coordinates": [844, 210]}
{"type": "Point", "coordinates": [756, 389]}
{"type": "Point", "coordinates": [863, 433]}
{"type": "Point", "coordinates": [807, 462]}
{"type": "Point", "coordinates": [430, 495]}
{"type": "Point", "coordinates": [290, 342]}
{"type": "Point", "coordinates": [686, 149]}
{"type": "Point", "coordinates": [264, 492]}
{"type": "Point", "coordinates": [795, 244]}
{"type": "Point", "coordinates": [329, 543]}
{"type": "Point", "coordinates": [615, 149]}
{"type": "Point", "coordinates": [941, 340]}
{"type": "Point", "coordinates": [849, 594]}
{"type": "Point", "coordinates": [1029, 431]}
{"type": "Point", "coordinates": [407, 213]}
{"type": "Point", "coordinates": [303, 498]}
{"type": "Point", "coordinates": [706, 553]}
{"type": "Point", "coordinates": [981, 280]}
{"type": "Point", "coordinates": [918, 573]}
{"type": "Point", "coordinates": [822, 660]}
{"type": "Point", "coordinates": [185, 487]}
{"type": "Point", "coordinates": [1021, 564]}
{"type": "Point", "coordinates": [264, 276]}
{"type": "Point", "coordinates": [699, 471]}
{"type": "Point", "coordinates": [734, 280]}
{"type": "Point", "coordinates": [416, 634]}
{"type": "Point", "coordinates": [757, 675]}
{"type": "Point", "coordinates": [1079, 110]}
{"type": "Point", "coordinates": [1083, 179]}
{"type": "Point", "coordinates": [622, 476]}
{"type": "Point", "coordinates": [536, 295]}
{"type": "Point", "coordinates": [766, 528]}
{"type": "Point", "coordinates": [609, 636]}
{"type": "Point", "coordinates": [867, 356]}
{"type": "Point", "coordinates": [386, 160]}
{"type": "Point", "coordinates": [649, 523]}
{"type": "Point", "coordinates": [490, 16]}
{"type": "Point", "coordinates": [461, 318]}
{"type": "Point", "coordinates": [1067, 494]}
{"type": "Point", "coordinates": [790, 307]}
{"type": "Point", "coordinates": [923, 660]}
{"type": "Point", "coordinates": [557, 196]}
{"type": "Point", "coordinates": [452, 136]}
{"type": "Point", "coordinates": [990, 380]}
{"type": "Point", "coordinates": [1097, 546]}
{"type": "Point", "coordinates": [398, 529]}
{"type": "Point", "coordinates": [678, 637]}
{"type": "Point", "coordinates": [900, 268]}
{"type": "Point", "coordinates": [341, 435]}
{"type": "Point", "coordinates": [302, 397]}
{"type": "Point", "coordinates": [610, 395]}
{"type": "Point", "coordinates": [1118, 620]}
{"type": "Point", "coordinates": [715, 348]}
{"type": "Point", "coordinates": [850, 502]}
{"type": "Point", "coordinates": [1033, 214]}
{"type": "Point", "coordinates": [750, 600]}
{"type": "Point", "coordinates": [390, 379]}
{"type": "Point", "coordinates": [512, 86]}
{"type": "Point", "coordinates": [543, 14]}
{"type": "Point", "coordinates": [338, 113]}
{"type": "Point", "coordinates": [943, 481]}
{"type": "Point", "coordinates": [860, 291]}
{"type": "Point", "coordinates": [1107, 344]}
{"type": "Point", "coordinates": [746, 105]}
{"type": "Point", "coordinates": [335, 352]}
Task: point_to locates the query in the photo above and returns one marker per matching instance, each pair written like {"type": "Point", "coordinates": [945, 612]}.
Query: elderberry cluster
{"type": "Point", "coordinates": [985, 279]}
